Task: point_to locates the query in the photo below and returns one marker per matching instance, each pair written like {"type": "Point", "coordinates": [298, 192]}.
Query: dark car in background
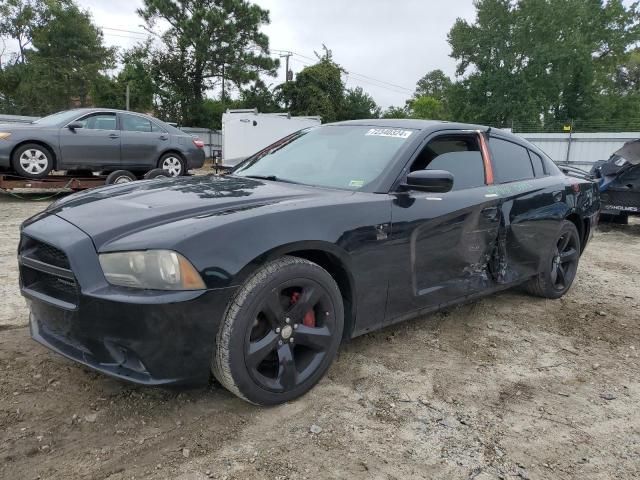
{"type": "Point", "coordinates": [619, 180]}
{"type": "Point", "coordinates": [330, 233]}
{"type": "Point", "coordinates": [99, 140]}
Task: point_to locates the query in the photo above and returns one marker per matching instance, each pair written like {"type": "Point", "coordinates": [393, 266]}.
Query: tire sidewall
{"type": "Point", "coordinates": [156, 173]}
{"type": "Point", "coordinates": [245, 317]}
{"type": "Point", "coordinates": [549, 290]}
{"type": "Point", "coordinates": [32, 146]}
{"type": "Point", "coordinates": [183, 171]}
{"type": "Point", "coordinates": [114, 176]}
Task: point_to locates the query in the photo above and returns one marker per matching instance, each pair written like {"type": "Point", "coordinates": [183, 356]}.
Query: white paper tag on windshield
{"type": "Point", "coordinates": [389, 132]}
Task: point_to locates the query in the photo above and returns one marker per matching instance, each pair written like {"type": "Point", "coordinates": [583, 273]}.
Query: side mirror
{"type": "Point", "coordinates": [73, 126]}
{"type": "Point", "coordinates": [436, 181]}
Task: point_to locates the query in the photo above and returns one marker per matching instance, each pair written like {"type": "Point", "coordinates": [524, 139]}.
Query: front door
{"type": "Point", "coordinates": [443, 242]}
{"type": "Point", "coordinates": [94, 146]}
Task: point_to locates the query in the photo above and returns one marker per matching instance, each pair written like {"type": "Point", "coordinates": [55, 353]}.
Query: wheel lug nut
{"type": "Point", "coordinates": [287, 320]}
{"type": "Point", "coordinates": [295, 326]}
{"type": "Point", "coordinates": [278, 330]}
{"type": "Point", "coordinates": [279, 342]}
{"type": "Point", "coordinates": [291, 340]}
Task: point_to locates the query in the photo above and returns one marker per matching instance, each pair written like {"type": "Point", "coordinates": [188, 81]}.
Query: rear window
{"type": "Point", "coordinates": [538, 165]}
{"type": "Point", "coordinates": [511, 161]}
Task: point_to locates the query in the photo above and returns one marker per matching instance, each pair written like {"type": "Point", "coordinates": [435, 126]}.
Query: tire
{"type": "Point", "coordinates": [156, 173]}
{"type": "Point", "coordinates": [295, 337]}
{"type": "Point", "coordinates": [120, 176]}
{"type": "Point", "coordinates": [173, 163]}
{"type": "Point", "coordinates": [561, 265]}
{"type": "Point", "coordinates": [32, 161]}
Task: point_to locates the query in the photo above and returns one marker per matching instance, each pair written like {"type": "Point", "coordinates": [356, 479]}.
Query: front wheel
{"type": "Point", "coordinates": [32, 161]}
{"type": "Point", "coordinates": [561, 265]}
{"type": "Point", "coordinates": [280, 333]}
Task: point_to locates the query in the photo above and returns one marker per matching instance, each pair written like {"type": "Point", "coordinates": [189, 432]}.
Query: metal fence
{"type": "Point", "coordinates": [212, 140]}
{"type": "Point", "coordinates": [580, 149]}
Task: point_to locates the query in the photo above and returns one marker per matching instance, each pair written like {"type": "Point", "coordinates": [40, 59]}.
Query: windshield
{"type": "Point", "coordinates": [337, 156]}
{"type": "Point", "coordinates": [57, 118]}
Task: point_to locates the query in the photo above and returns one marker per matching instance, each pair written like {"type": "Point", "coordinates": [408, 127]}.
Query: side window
{"type": "Point", "coordinates": [134, 123]}
{"type": "Point", "coordinates": [99, 121]}
{"type": "Point", "coordinates": [458, 154]}
{"type": "Point", "coordinates": [511, 162]}
{"type": "Point", "coordinates": [538, 166]}
{"type": "Point", "coordinates": [157, 128]}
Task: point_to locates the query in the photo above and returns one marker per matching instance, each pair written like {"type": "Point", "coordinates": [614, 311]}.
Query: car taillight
{"type": "Point", "coordinates": [198, 143]}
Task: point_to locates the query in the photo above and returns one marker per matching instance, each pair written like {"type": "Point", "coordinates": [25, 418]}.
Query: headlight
{"type": "Point", "coordinates": [4, 135]}
{"type": "Point", "coordinates": [151, 269]}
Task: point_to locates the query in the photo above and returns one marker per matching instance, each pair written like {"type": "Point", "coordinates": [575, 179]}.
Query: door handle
{"type": "Point", "coordinates": [490, 212]}
{"type": "Point", "coordinates": [114, 135]}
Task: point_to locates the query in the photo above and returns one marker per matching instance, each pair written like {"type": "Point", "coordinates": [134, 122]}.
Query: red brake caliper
{"type": "Point", "coordinates": [309, 319]}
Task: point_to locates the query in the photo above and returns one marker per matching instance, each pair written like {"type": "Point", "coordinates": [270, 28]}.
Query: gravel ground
{"type": "Point", "coordinates": [507, 387]}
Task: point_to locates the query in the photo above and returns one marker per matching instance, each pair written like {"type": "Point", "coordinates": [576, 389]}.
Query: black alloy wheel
{"type": "Point", "coordinates": [565, 261]}
{"type": "Point", "coordinates": [281, 332]}
{"type": "Point", "coordinates": [290, 336]}
{"type": "Point", "coordinates": [562, 265]}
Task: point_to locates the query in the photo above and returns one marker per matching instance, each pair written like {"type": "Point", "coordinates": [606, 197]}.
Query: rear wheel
{"type": "Point", "coordinates": [32, 161]}
{"type": "Point", "coordinates": [120, 176]}
{"type": "Point", "coordinates": [561, 263]}
{"type": "Point", "coordinates": [173, 164]}
{"type": "Point", "coordinates": [281, 332]}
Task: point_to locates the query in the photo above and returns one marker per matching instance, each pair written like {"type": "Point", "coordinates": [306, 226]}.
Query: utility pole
{"type": "Point", "coordinates": [288, 74]}
{"type": "Point", "coordinates": [128, 95]}
{"type": "Point", "coordinates": [223, 96]}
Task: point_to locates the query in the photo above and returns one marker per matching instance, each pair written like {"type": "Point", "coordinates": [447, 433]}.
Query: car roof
{"type": "Point", "coordinates": [428, 125]}
{"type": "Point", "coordinates": [94, 109]}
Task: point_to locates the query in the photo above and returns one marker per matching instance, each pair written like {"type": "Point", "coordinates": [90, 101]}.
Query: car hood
{"type": "Point", "coordinates": [109, 213]}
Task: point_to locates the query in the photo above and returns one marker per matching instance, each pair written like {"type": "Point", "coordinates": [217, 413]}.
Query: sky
{"type": "Point", "coordinates": [384, 45]}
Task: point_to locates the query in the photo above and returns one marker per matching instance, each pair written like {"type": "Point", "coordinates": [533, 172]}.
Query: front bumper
{"type": "Point", "coordinates": [147, 337]}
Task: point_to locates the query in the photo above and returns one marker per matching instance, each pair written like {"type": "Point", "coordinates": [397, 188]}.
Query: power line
{"type": "Point", "coordinates": [145, 34]}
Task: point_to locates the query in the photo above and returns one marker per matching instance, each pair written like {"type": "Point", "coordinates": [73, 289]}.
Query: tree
{"type": "Point", "coordinates": [427, 107]}
{"type": "Point", "coordinates": [209, 44]}
{"type": "Point", "coordinates": [61, 60]}
{"type": "Point", "coordinates": [435, 84]}
{"type": "Point", "coordinates": [395, 112]}
{"type": "Point", "coordinates": [358, 104]}
{"type": "Point", "coordinates": [18, 18]}
{"type": "Point", "coordinates": [259, 96]}
{"type": "Point", "coordinates": [317, 90]}
{"type": "Point", "coordinates": [539, 61]}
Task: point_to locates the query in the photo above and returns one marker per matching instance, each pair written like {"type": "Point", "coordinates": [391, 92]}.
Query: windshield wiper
{"type": "Point", "coordinates": [272, 178]}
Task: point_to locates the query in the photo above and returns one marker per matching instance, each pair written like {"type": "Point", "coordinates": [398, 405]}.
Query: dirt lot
{"type": "Point", "coordinates": [508, 387]}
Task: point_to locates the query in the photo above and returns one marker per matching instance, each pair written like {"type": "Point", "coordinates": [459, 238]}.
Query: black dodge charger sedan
{"type": "Point", "coordinates": [257, 276]}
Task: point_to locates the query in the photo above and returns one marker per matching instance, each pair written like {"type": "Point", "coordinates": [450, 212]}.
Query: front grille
{"type": "Point", "coordinates": [45, 269]}
{"type": "Point", "coordinates": [44, 252]}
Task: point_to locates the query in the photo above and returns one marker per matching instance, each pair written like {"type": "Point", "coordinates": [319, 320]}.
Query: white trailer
{"type": "Point", "coordinates": [245, 132]}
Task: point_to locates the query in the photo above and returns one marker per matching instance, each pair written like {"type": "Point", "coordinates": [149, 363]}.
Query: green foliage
{"type": "Point", "coordinates": [427, 107]}
{"type": "Point", "coordinates": [317, 90]}
{"type": "Point", "coordinates": [396, 112]}
{"type": "Point", "coordinates": [209, 44]}
{"type": "Point", "coordinates": [61, 61]}
{"type": "Point", "coordinates": [540, 62]}
{"type": "Point", "coordinates": [259, 96]}
{"type": "Point", "coordinates": [358, 104]}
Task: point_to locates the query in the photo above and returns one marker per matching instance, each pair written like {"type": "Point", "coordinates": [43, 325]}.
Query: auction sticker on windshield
{"type": "Point", "coordinates": [389, 132]}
